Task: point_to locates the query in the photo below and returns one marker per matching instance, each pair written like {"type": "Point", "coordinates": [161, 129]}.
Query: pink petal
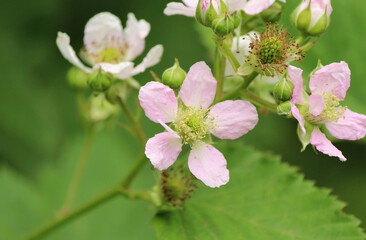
{"type": "Point", "coordinates": [174, 8]}
{"type": "Point", "coordinates": [199, 87]}
{"type": "Point", "coordinates": [208, 165]}
{"type": "Point", "coordinates": [322, 144]}
{"type": "Point", "coordinates": [316, 104]}
{"type": "Point", "coordinates": [295, 75]}
{"type": "Point", "coordinates": [295, 112]}
{"type": "Point", "coordinates": [168, 129]}
{"type": "Point", "coordinates": [163, 149]}
{"type": "Point", "coordinates": [334, 78]}
{"type": "Point", "coordinates": [191, 3]}
{"type": "Point", "coordinates": [236, 5]}
{"type": "Point", "coordinates": [350, 126]}
{"type": "Point", "coordinates": [158, 101]}
{"type": "Point", "coordinates": [256, 6]}
{"type": "Point", "coordinates": [233, 119]}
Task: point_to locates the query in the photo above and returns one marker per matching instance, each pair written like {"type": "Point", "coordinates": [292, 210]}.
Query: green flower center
{"type": "Point", "coordinates": [332, 110]}
{"type": "Point", "coordinates": [110, 55]}
{"type": "Point", "coordinates": [271, 50]}
{"type": "Point", "coordinates": [193, 124]}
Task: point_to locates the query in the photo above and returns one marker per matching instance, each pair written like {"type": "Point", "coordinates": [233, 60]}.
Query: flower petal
{"type": "Point", "coordinates": [63, 44]}
{"type": "Point", "coordinates": [135, 34]}
{"type": "Point", "coordinates": [152, 58]}
{"type": "Point", "coordinates": [199, 87]}
{"type": "Point", "coordinates": [240, 48]}
{"type": "Point", "coordinates": [316, 104]}
{"type": "Point", "coordinates": [295, 75]}
{"type": "Point", "coordinates": [163, 150]}
{"type": "Point", "coordinates": [208, 165]}
{"type": "Point", "coordinates": [350, 126]}
{"type": "Point", "coordinates": [191, 3]}
{"type": "Point", "coordinates": [175, 8]}
{"type": "Point", "coordinates": [102, 31]}
{"type": "Point", "coordinates": [334, 78]}
{"type": "Point", "coordinates": [256, 6]}
{"type": "Point", "coordinates": [121, 70]}
{"type": "Point", "coordinates": [322, 144]}
{"type": "Point", "coordinates": [296, 114]}
{"type": "Point", "coordinates": [236, 5]}
{"type": "Point", "coordinates": [158, 101]}
{"type": "Point", "coordinates": [233, 119]}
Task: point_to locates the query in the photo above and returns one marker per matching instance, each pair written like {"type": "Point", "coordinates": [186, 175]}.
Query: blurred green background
{"type": "Point", "coordinates": [39, 118]}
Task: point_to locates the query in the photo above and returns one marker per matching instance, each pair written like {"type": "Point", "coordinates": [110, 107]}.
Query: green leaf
{"type": "Point", "coordinates": [265, 199]}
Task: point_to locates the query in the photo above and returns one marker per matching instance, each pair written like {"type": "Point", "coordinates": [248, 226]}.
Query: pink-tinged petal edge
{"type": "Point", "coordinates": [208, 165]}
{"type": "Point", "coordinates": [316, 104]}
{"type": "Point", "coordinates": [233, 119]}
{"type": "Point", "coordinates": [174, 8]}
{"type": "Point", "coordinates": [158, 101]}
{"type": "Point", "coordinates": [163, 150]}
{"type": "Point", "coordinates": [199, 87]}
{"type": "Point", "coordinates": [334, 78]}
{"type": "Point", "coordinates": [256, 6]}
{"type": "Point", "coordinates": [295, 112]}
{"type": "Point", "coordinates": [350, 126]}
{"type": "Point", "coordinates": [295, 75]}
{"type": "Point", "coordinates": [322, 144]}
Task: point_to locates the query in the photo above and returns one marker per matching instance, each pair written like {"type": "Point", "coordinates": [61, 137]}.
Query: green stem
{"type": "Point", "coordinates": [79, 171]}
{"type": "Point", "coordinates": [140, 132]}
{"type": "Point", "coordinates": [90, 205]}
{"type": "Point", "coordinates": [259, 101]}
{"type": "Point", "coordinates": [228, 54]}
{"type": "Point", "coordinates": [126, 181]}
{"type": "Point", "coordinates": [308, 46]}
{"type": "Point", "coordinates": [236, 92]}
{"type": "Point", "coordinates": [219, 71]}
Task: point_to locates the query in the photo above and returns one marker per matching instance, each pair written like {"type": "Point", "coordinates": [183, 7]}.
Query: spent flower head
{"type": "Point", "coordinates": [193, 121]}
{"type": "Point", "coordinates": [110, 47]}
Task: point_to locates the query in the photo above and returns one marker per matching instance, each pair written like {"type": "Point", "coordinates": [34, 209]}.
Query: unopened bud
{"type": "Point", "coordinates": [98, 81]}
{"type": "Point", "coordinates": [223, 25]}
{"type": "Point", "coordinates": [77, 78]}
{"type": "Point", "coordinates": [273, 13]}
{"type": "Point", "coordinates": [174, 76]}
{"type": "Point", "coordinates": [284, 109]}
{"type": "Point", "coordinates": [283, 90]}
{"type": "Point", "coordinates": [208, 10]}
{"type": "Point", "coordinates": [312, 17]}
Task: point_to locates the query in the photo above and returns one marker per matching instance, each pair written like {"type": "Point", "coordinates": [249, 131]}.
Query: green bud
{"type": "Point", "coordinates": [205, 15]}
{"type": "Point", "coordinates": [283, 90]}
{"type": "Point", "coordinates": [116, 91]}
{"type": "Point", "coordinates": [273, 13]}
{"type": "Point", "coordinates": [98, 81]}
{"type": "Point", "coordinates": [174, 76]}
{"type": "Point", "coordinates": [223, 25]}
{"type": "Point", "coordinates": [237, 20]}
{"type": "Point", "coordinates": [284, 109]}
{"type": "Point", "coordinates": [77, 79]}
{"type": "Point", "coordinates": [320, 26]}
{"type": "Point", "coordinates": [303, 20]}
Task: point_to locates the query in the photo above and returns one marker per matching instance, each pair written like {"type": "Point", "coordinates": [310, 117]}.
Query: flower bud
{"type": "Point", "coordinates": [223, 25]}
{"type": "Point", "coordinates": [98, 81]}
{"type": "Point", "coordinates": [173, 77]}
{"type": "Point", "coordinates": [284, 109]}
{"type": "Point", "coordinates": [311, 17]}
{"type": "Point", "coordinates": [283, 90]}
{"type": "Point", "coordinates": [77, 78]}
{"type": "Point", "coordinates": [273, 13]}
{"type": "Point", "coordinates": [207, 11]}
{"type": "Point", "coordinates": [101, 109]}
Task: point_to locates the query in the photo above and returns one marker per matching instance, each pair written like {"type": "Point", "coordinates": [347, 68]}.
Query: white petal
{"type": "Point", "coordinates": [152, 58]}
{"type": "Point", "coordinates": [208, 165]}
{"type": "Point", "coordinates": [175, 8]}
{"type": "Point", "coordinates": [163, 150]}
{"type": "Point", "coordinates": [121, 70]}
{"type": "Point", "coordinates": [135, 34]}
{"type": "Point", "coordinates": [102, 31]}
{"type": "Point", "coordinates": [63, 44]}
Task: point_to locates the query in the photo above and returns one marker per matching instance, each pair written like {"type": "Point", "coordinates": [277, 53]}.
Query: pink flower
{"type": "Point", "coordinates": [328, 87]}
{"type": "Point", "coordinates": [251, 7]}
{"type": "Point", "coordinates": [317, 8]}
{"type": "Point", "coordinates": [193, 120]}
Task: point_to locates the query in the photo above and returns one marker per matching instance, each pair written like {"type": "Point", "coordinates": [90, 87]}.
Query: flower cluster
{"type": "Point", "coordinates": [193, 120]}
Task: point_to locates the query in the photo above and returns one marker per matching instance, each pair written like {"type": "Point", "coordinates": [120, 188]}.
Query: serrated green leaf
{"type": "Point", "coordinates": [265, 199]}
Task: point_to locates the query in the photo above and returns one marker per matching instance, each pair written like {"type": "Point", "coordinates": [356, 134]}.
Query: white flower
{"type": "Point", "coordinates": [110, 47]}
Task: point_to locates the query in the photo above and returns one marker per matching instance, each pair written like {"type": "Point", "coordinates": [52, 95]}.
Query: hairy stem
{"type": "Point", "coordinates": [79, 171]}
{"type": "Point", "coordinates": [219, 71]}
